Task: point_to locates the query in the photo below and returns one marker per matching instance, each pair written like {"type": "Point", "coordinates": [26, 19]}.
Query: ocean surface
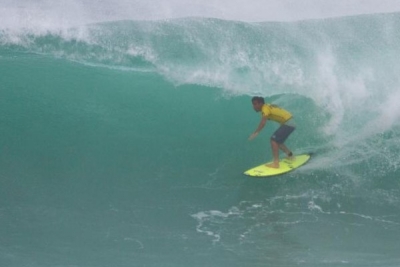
{"type": "Point", "coordinates": [124, 143]}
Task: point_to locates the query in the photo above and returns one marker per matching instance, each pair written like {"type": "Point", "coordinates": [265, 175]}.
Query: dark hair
{"type": "Point", "coordinates": [258, 99]}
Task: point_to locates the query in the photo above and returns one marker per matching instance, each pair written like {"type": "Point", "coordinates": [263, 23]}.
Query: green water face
{"type": "Point", "coordinates": [141, 164]}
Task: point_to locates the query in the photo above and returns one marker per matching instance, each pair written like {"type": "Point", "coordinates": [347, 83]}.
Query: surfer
{"type": "Point", "coordinates": [280, 115]}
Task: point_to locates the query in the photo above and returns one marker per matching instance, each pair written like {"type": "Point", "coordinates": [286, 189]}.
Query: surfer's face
{"type": "Point", "coordinates": [257, 106]}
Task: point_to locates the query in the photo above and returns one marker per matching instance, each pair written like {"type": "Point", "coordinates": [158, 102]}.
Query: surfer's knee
{"type": "Point", "coordinates": [273, 141]}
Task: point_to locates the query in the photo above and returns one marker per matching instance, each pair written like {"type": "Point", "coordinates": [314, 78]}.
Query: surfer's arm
{"type": "Point", "coordinates": [259, 128]}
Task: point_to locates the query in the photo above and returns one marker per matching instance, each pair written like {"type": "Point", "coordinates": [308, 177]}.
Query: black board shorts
{"type": "Point", "coordinates": [282, 133]}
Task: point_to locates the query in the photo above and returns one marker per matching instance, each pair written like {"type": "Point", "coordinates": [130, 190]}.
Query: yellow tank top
{"type": "Point", "coordinates": [275, 113]}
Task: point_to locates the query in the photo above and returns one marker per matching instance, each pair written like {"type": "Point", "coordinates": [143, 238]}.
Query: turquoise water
{"type": "Point", "coordinates": [124, 143]}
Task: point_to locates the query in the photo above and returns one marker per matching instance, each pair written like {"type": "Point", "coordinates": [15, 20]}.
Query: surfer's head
{"type": "Point", "coordinates": [257, 102]}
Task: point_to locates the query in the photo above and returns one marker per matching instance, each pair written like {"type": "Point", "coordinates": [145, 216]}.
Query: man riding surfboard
{"type": "Point", "coordinates": [277, 114]}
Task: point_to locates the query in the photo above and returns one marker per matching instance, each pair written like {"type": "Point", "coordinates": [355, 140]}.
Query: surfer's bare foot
{"type": "Point", "coordinates": [273, 165]}
{"type": "Point", "coordinates": [290, 156]}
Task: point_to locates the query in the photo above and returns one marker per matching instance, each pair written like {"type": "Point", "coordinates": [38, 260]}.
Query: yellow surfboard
{"type": "Point", "coordinates": [285, 165]}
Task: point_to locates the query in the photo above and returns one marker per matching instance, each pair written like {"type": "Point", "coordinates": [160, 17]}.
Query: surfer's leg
{"type": "Point", "coordinates": [287, 151]}
{"type": "Point", "coordinates": [275, 154]}
{"type": "Point", "coordinates": [277, 140]}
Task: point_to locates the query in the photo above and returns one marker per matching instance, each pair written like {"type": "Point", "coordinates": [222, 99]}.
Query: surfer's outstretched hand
{"type": "Point", "coordinates": [252, 136]}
